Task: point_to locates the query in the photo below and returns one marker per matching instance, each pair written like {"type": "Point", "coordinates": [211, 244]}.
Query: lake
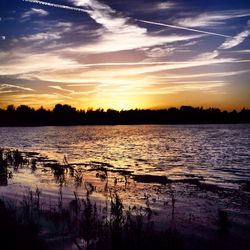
{"type": "Point", "coordinates": [183, 172]}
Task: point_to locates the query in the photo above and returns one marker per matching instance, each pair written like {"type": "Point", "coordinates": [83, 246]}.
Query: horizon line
{"type": "Point", "coordinates": [129, 109]}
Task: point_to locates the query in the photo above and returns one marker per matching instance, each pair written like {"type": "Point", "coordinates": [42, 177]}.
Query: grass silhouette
{"type": "Point", "coordinates": [83, 224]}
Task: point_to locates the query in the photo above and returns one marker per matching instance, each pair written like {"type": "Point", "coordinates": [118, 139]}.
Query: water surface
{"type": "Point", "coordinates": [209, 166]}
{"type": "Point", "coordinates": [219, 153]}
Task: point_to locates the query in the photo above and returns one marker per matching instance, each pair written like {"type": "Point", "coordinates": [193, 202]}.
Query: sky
{"type": "Point", "coordinates": [125, 54]}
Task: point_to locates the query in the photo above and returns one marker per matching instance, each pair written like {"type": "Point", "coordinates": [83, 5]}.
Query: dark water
{"type": "Point", "coordinates": [208, 164]}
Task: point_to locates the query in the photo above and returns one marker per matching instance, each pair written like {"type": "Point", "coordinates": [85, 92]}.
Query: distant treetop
{"type": "Point", "coordinates": [64, 114]}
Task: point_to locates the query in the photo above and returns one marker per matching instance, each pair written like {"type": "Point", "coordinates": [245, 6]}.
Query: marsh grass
{"type": "Point", "coordinates": [10, 161]}
{"type": "Point", "coordinates": [18, 228]}
{"type": "Point", "coordinates": [82, 224]}
{"type": "Point", "coordinates": [85, 225]}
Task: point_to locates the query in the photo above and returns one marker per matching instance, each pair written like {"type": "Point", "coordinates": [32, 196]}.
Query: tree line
{"type": "Point", "coordinates": [64, 115]}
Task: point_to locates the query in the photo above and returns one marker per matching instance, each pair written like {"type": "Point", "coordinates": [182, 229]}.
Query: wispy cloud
{"type": "Point", "coordinates": [242, 51]}
{"type": "Point", "coordinates": [119, 33]}
{"type": "Point", "coordinates": [152, 6]}
{"type": "Point", "coordinates": [46, 36]}
{"type": "Point", "coordinates": [236, 40]}
{"type": "Point", "coordinates": [202, 75]}
{"type": "Point", "coordinates": [207, 55]}
{"type": "Point", "coordinates": [10, 87]}
{"type": "Point", "coordinates": [165, 5]}
{"type": "Point", "coordinates": [26, 62]}
{"type": "Point", "coordinates": [111, 42]}
{"type": "Point", "coordinates": [62, 89]}
{"type": "Point", "coordinates": [159, 51]}
{"type": "Point", "coordinates": [6, 91]}
{"type": "Point", "coordinates": [94, 73]}
{"type": "Point", "coordinates": [211, 19]}
{"type": "Point", "coordinates": [165, 89]}
{"type": "Point", "coordinates": [50, 36]}
{"type": "Point", "coordinates": [34, 11]}
{"type": "Point", "coordinates": [105, 16]}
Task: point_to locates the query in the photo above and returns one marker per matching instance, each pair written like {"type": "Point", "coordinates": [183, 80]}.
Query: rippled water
{"type": "Point", "coordinates": [215, 155]}
{"type": "Point", "coordinates": [218, 153]}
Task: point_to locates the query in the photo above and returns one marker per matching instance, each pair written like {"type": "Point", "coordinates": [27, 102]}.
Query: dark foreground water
{"type": "Point", "coordinates": [186, 174]}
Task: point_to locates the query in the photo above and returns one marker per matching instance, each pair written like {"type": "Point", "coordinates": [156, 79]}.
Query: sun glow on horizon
{"type": "Point", "coordinates": [90, 54]}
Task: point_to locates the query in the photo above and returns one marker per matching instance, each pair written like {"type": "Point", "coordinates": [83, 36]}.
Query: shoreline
{"type": "Point", "coordinates": [174, 210]}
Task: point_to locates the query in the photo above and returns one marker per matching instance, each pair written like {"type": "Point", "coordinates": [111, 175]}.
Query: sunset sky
{"type": "Point", "coordinates": [125, 54]}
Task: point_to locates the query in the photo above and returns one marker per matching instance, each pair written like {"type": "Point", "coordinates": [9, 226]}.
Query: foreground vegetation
{"type": "Point", "coordinates": [67, 115]}
{"type": "Point", "coordinates": [82, 223]}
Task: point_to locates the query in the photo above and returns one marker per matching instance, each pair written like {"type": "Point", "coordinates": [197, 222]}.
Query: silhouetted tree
{"type": "Point", "coordinates": [24, 115]}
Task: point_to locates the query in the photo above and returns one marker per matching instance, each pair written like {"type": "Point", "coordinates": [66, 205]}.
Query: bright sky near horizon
{"type": "Point", "coordinates": [125, 54]}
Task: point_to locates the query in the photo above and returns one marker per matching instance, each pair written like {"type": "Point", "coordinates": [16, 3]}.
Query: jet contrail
{"type": "Point", "coordinates": [57, 6]}
{"type": "Point", "coordinates": [143, 21]}
{"type": "Point", "coordinates": [182, 28]}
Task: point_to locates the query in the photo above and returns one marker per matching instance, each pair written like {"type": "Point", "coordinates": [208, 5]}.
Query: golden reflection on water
{"type": "Point", "coordinates": [93, 178]}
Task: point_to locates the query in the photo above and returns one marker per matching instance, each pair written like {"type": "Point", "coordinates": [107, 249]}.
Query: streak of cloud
{"type": "Point", "coordinates": [183, 28]}
{"type": "Point", "coordinates": [236, 40]}
{"type": "Point", "coordinates": [211, 74]}
{"type": "Point", "coordinates": [62, 89]}
{"type": "Point", "coordinates": [211, 19]}
{"type": "Point", "coordinates": [35, 11]}
{"type": "Point", "coordinates": [8, 87]}
{"type": "Point", "coordinates": [164, 6]}
{"type": "Point", "coordinates": [60, 6]}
